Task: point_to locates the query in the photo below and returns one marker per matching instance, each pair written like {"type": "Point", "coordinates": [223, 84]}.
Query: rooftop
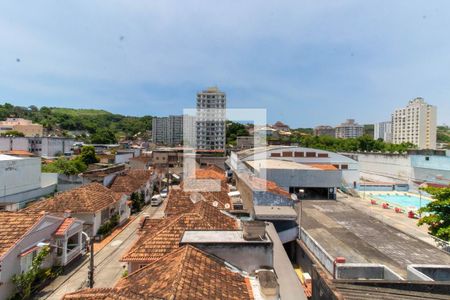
{"type": "Point", "coordinates": [275, 212]}
{"type": "Point", "coordinates": [130, 181]}
{"type": "Point", "coordinates": [4, 157]}
{"type": "Point", "coordinates": [187, 273]}
{"type": "Point", "coordinates": [13, 226]}
{"type": "Point", "coordinates": [344, 231]}
{"type": "Point", "coordinates": [88, 198]}
{"type": "Point", "coordinates": [278, 164]}
{"type": "Point", "coordinates": [218, 237]}
{"type": "Point", "coordinates": [158, 239]}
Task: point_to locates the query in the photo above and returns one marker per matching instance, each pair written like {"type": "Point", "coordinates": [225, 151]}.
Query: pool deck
{"type": "Point", "coordinates": [356, 234]}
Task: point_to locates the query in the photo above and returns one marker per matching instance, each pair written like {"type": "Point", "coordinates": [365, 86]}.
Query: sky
{"type": "Point", "coordinates": [307, 62]}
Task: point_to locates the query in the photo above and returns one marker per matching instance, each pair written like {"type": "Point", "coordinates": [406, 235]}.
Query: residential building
{"type": "Point", "coordinates": [103, 174]}
{"type": "Point", "coordinates": [416, 124]}
{"type": "Point", "coordinates": [383, 130]}
{"type": "Point", "coordinates": [162, 236]}
{"type": "Point", "coordinates": [21, 125]}
{"type": "Point", "coordinates": [280, 126]}
{"type": "Point", "coordinates": [47, 147]}
{"type": "Point", "coordinates": [349, 129]}
{"type": "Point", "coordinates": [324, 130]}
{"type": "Point", "coordinates": [22, 181]}
{"type": "Point", "coordinates": [135, 181]}
{"type": "Point", "coordinates": [93, 203]}
{"type": "Point", "coordinates": [185, 273]}
{"type": "Point", "coordinates": [23, 234]}
{"type": "Point", "coordinates": [167, 130]}
{"type": "Point", "coordinates": [140, 163]}
{"type": "Point", "coordinates": [210, 119]}
{"type": "Point", "coordinates": [245, 142]}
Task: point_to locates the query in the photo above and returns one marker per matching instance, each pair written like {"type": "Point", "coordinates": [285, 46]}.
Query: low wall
{"type": "Point", "coordinates": [325, 259]}
{"type": "Point", "coordinates": [365, 272]}
{"type": "Point", "coordinates": [428, 272]}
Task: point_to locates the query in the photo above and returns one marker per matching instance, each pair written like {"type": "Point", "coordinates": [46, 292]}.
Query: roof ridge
{"type": "Point", "coordinates": [176, 286]}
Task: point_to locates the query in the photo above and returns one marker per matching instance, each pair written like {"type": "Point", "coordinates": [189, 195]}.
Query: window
{"type": "Point", "coordinates": [427, 158]}
{"type": "Point", "coordinates": [322, 154]}
{"type": "Point", "coordinates": [287, 154]}
{"type": "Point", "coordinates": [310, 154]}
{"type": "Point", "coordinates": [344, 167]}
{"type": "Point", "coordinates": [26, 261]}
{"type": "Point", "coordinates": [299, 154]}
{"type": "Point", "coordinates": [275, 154]}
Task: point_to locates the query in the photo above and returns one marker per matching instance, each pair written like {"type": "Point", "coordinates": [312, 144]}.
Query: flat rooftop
{"type": "Point", "coordinates": [4, 157]}
{"type": "Point", "coordinates": [219, 236]}
{"type": "Point", "coordinates": [278, 164]}
{"type": "Point", "coordinates": [344, 231]}
{"type": "Point", "coordinates": [275, 213]}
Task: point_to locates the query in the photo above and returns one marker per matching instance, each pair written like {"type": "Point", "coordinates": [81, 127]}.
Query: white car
{"type": "Point", "coordinates": [156, 200]}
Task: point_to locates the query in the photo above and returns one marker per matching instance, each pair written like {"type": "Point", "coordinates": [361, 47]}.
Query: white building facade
{"type": "Point", "coordinates": [349, 129]}
{"type": "Point", "coordinates": [210, 122]}
{"type": "Point", "coordinates": [167, 130]}
{"type": "Point", "coordinates": [40, 146]}
{"type": "Point", "coordinates": [383, 130]}
{"type": "Point", "coordinates": [416, 124]}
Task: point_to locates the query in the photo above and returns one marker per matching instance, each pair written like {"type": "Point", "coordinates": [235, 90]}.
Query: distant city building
{"type": "Point", "coordinates": [40, 146]}
{"type": "Point", "coordinates": [167, 130]}
{"type": "Point", "coordinates": [210, 122]}
{"type": "Point", "coordinates": [280, 126]}
{"type": "Point", "coordinates": [21, 125]}
{"type": "Point", "coordinates": [416, 123]}
{"type": "Point", "coordinates": [383, 130]}
{"type": "Point", "coordinates": [349, 129]}
{"type": "Point", "coordinates": [324, 130]}
{"type": "Point", "coordinates": [245, 142]}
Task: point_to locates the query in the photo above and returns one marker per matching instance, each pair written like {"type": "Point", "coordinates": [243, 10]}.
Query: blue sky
{"type": "Point", "coordinates": [307, 62]}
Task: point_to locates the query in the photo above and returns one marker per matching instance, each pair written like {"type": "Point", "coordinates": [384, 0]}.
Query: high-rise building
{"type": "Point", "coordinates": [416, 123]}
{"type": "Point", "coordinates": [349, 129]}
{"type": "Point", "coordinates": [167, 130]}
{"type": "Point", "coordinates": [210, 121]}
{"type": "Point", "coordinates": [324, 130]}
{"type": "Point", "coordinates": [383, 130]}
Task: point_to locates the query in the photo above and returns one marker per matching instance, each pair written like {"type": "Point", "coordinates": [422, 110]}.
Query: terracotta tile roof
{"type": "Point", "coordinates": [130, 181]}
{"type": "Point", "coordinates": [185, 274]}
{"type": "Point", "coordinates": [13, 226]}
{"type": "Point", "coordinates": [18, 153]}
{"type": "Point", "coordinates": [65, 225]}
{"type": "Point", "coordinates": [88, 198]}
{"type": "Point", "coordinates": [261, 184]}
{"type": "Point", "coordinates": [325, 167]}
{"type": "Point", "coordinates": [157, 241]}
{"type": "Point", "coordinates": [210, 172]}
{"type": "Point", "coordinates": [178, 201]}
{"type": "Point", "coordinates": [144, 159]}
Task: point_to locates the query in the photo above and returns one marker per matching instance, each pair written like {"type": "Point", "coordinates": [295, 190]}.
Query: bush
{"type": "Point", "coordinates": [108, 226]}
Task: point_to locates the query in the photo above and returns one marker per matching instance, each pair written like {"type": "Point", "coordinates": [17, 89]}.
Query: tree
{"type": "Point", "coordinates": [103, 136]}
{"type": "Point", "coordinates": [65, 166]}
{"type": "Point", "coordinates": [24, 282]}
{"type": "Point", "coordinates": [13, 133]}
{"type": "Point", "coordinates": [438, 213]}
{"type": "Point", "coordinates": [87, 155]}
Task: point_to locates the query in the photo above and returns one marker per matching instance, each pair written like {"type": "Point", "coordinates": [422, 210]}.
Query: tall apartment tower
{"type": "Point", "coordinates": [210, 122]}
{"type": "Point", "coordinates": [167, 130]}
{"type": "Point", "coordinates": [349, 129]}
{"type": "Point", "coordinates": [416, 123]}
{"type": "Point", "coordinates": [383, 130]}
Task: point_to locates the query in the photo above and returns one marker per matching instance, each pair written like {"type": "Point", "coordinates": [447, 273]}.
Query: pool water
{"type": "Point", "coordinates": [403, 200]}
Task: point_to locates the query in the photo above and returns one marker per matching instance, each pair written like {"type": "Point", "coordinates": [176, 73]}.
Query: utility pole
{"type": "Point", "coordinates": [91, 263]}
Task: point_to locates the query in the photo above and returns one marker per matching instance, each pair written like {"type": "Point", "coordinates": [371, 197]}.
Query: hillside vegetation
{"type": "Point", "coordinates": [92, 125]}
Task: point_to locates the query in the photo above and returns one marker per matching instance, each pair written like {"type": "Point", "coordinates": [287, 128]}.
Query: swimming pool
{"type": "Point", "coordinates": [403, 200]}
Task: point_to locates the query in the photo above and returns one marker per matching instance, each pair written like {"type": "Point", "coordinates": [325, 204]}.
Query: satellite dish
{"type": "Point", "coordinates": [294, 197]}
{"type": "Point", "coordinates": [227, 206]}
{"type": "Point", "coordinates": [215, 203]}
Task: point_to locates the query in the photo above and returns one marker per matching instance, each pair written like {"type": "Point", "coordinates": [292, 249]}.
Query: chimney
{"type": "Point", "coordinates": [67, 213]}
{"type": "Point", "coordinates": [268, 283]}
{"type": "Point", "coordinates": [253, 230]}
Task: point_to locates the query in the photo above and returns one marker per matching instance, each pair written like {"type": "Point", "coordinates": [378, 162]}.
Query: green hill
{"type": "Point", "coordinates": [96, 125]}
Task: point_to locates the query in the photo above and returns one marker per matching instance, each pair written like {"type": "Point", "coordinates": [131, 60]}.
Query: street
{"type": "Point", "coordinates": [108, 269]}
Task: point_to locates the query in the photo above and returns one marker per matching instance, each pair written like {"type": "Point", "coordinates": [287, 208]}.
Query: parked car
{"type": "Point", "coordinates": [156, 200]}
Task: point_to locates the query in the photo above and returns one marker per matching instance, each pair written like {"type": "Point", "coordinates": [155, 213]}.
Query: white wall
{"type": "Point", "coordinates": [19, 175]}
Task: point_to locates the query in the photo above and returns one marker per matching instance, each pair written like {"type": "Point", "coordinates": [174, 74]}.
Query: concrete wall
{"type": "Point", "coordinates": [19, 175]}
{"type": "Point", "coordinates": [365, 272]}
{"type": "Point", "coordinates": [320, 254]}
{"type": "Point", "coordinates": [428, 272]}
{"type": "Point", "coordinates": [247, 257]}
{"type": "Point", "coordinates": [122, 158]}
{"type": "Point", "coordinates": [304, 178]}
